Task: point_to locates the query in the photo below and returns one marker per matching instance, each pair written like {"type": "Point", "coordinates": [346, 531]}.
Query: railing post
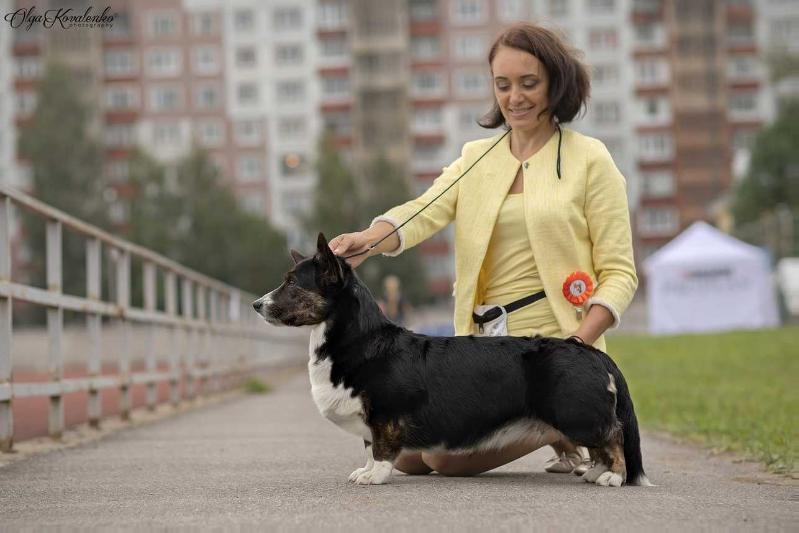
{"type": "Point", "coordinates": [6, 416]}
{"type": "Point", "coordinates": [149, 305]}
{"type": "Point", "coordinates": [188, 313]}
{"type": "Point", "coordinates": [123, 301]}
{"type": "Point", "coordinates": [213, 341]}
{"type": "Point", "coordinates": [94, 327]}
{"type": "Point", "coordinates": [171, 287]}
{"type": "Point", "coordinates": [55, 326]}
{"type": "Point", "coordinates": [201, 340]}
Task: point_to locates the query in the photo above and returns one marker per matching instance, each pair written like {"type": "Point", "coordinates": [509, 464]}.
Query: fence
{"type": "Point", "coordinates": [214, 337]}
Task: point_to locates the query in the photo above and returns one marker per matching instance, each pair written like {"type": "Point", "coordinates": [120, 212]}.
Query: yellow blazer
{"type": "Point", "coordinates": [579, 222]}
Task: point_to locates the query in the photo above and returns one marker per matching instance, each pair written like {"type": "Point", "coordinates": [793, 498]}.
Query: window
{"type": "Point", "coordinates": [166, 98]}
{"type": "Point", "coordinates": [469, 47]}
{"type": "Point", "coordinates": [28, 67]}
{"type": "Point", "coordinates": [210, 133]}
{"type": "Point", "coordinates": [606, 74]}
{"type": "Point", "coordinates": [650, 35]}
{"type": "Point", "coordinates": [332, 14]}
{"type": "Point", "coordinates": [655, 221]}
{"type": "Point", "coordinates": [290, 91]}
{"type": "Point", "coordinates": [163, 23]}
{"type": "Point", "coordinates": [427, 119]}
{"type": "Point", "coordinates": [292, 127]}
{"type": "Point", "coordinates": [248, 168]}
{"type": "Point", "coordinates": [246, 56]}
{"type": "Point", "coordinates": [655, 146]}
{"type": "Point", "coordinates": [208, 97]}
{"type": "Point", "coordinates": [606, 113]}
{"type": "Point", "coordinates": [118, 171]}
{"type": "Point", "coordinates": [204, 24]}
{"type": "Point", "coordinates": [425, 47]}
{"type": "Point", "coordinates": [336, 86]}
{"type": "Point", "coordinates": [471, 83]}
{"type": "Point", "coordinates": [603, 39]}
{"type": "Point", "coordinates": [247, 93]}
{"type": "Point", "coordinates": [427, 83]}
{"type": "Point", "coordinates": [293, 164]}
{"type": "Point", "coordinates": [121, 97]}
{"type": "Point", "coordinates": [740, 33]}
{"type": "Point", "coordinates": [164, 62]}
{"type": "Point", "coordinates": [119, 135]}
{"type": "Point", "coordinates": [468, 117]}
{"type": "Point", "coordinates": [651, 72]}
{"type": "Point", "coordinates": [510, 10]}
{"type": "Point", "coordinates": [333, 47]}
{"type": "Point", "coordinates": [119, 63]}
{"type": "Point", "coordinates": [287, 18]}
{"type": "Point", "coordinates": [654, 110]}
{"type": "Point", "coordinates": [423, 10]}
{"type": "Point", "coordinates": [248, 133]}
{"type": "Point", "coordinates": [289, 54]}
{"type": "Point", "coordinates": [785, 32]}
{"type": "Point", "coordinates": [166, 133]}
{"type": "Point", "coordinates": [252, 203]}
{"type": "Point", "coordinates": [743, 139]}
{"type": "Point", "coordinates": [600, 6]}
{"type": "Point", "coordinates": [244, 20]}
{"type": "Point", "coordinates": [657, 183]}
{"type": "Point", "coordinates": [558, 8]}
{"type": "Point", "coordinates": [468, 11]}
{"type": "Point", "coordinates": [742, 67]}
{"type": "Point", "coordinates": [337, 123]}
{"type": "Point", "coordinates": [206, 60]}
{"type": "Point", "coordinates": [26, 102]}
{"type": "Point", "coordinates": [743, 102]}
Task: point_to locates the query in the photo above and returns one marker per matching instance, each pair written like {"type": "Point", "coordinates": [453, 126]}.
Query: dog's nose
{"type": "Point", "coordinates": [257, 306]}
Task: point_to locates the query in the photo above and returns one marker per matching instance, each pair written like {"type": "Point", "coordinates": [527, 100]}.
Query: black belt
{"type": "Point", "coordinates": [496, 312]}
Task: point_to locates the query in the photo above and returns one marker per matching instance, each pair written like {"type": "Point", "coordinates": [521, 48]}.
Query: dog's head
{"type": "Point", "coordinates": [309, 290]}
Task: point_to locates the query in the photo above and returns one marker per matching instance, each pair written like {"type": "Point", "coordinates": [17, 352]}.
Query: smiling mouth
{"type": "Point", "coordinates": [519, 112]}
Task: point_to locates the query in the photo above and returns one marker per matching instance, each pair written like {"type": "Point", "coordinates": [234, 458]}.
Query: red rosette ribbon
{"type": "Point", "coordinates": [578, 287]}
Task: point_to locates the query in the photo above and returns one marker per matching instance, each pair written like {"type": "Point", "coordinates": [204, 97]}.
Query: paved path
{"type": "Point", "coordinates": [272, 461]}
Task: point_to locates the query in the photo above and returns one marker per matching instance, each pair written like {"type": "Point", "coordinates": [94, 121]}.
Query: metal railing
{"type": "Point", "coordinates": [214, 337]}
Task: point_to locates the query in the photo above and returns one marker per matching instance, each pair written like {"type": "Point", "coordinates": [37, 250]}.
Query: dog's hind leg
{"type": "Point", "coordinates": [610, 469]}
{"type": "Point", "coordinates": [370, 461]}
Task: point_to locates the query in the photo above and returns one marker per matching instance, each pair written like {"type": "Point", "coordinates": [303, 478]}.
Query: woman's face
{"type": "Point", "coordinates": [521, 85]}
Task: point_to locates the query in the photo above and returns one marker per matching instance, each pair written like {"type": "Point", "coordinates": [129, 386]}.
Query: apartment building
{"type": "Point", "coordinates": [7, 125]}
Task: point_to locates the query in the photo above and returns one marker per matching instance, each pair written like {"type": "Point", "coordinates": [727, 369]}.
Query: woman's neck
{"type": "Point", "coordinates": [525, 143]}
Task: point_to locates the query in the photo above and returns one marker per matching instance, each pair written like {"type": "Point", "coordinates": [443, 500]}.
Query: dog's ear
{"type": "Point", "coordinates": [332, 273]}
{"type": "Point", "coordinates": [296, 256]}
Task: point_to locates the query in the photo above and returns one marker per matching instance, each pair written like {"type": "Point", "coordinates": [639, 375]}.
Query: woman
{"type": "Point", "coordinates": [543, 203]}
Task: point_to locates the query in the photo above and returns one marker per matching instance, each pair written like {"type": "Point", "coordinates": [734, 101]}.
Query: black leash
{"type": "Point", "coordinates": [496, 312]}
{"type": "Point", "coordinates": [373, 246]}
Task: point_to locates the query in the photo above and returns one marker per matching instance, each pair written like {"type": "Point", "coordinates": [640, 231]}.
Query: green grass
{"type": "Point", "coordinates": [256, 386]}
{"type": "Point", "coordinates": [732, 391]}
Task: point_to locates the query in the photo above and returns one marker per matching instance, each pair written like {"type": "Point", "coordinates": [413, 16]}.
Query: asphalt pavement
{"type": "Point", "coordinates": [271, 462]}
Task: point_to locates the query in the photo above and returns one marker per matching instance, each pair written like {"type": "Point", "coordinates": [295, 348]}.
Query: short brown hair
{"type": "Point", "coordinates": [569, 84]}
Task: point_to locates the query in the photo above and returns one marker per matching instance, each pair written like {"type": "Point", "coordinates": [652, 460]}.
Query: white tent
{"type": "Point", "coordinates": [706, 280]}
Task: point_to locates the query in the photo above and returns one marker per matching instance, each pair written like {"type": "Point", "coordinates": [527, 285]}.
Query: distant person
{"type": "Point", "coordinates": [544, 203]}
{"type": "Point", "coordinates": [394, 304]}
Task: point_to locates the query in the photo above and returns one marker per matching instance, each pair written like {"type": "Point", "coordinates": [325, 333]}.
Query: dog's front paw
{"type": "Point", "coordinates": [610, 479]}
{"type": "Point", "coordinates": [378, 475]}
{"type": "Point", "coordinates": [357, 473]}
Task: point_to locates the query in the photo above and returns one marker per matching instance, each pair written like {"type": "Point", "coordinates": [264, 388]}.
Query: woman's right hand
{"type": "Point", "coordinates": [351, 243]}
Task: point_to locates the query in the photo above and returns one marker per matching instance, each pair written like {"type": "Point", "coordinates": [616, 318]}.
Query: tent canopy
{"type": "Point", "coordinates": [706, 280]}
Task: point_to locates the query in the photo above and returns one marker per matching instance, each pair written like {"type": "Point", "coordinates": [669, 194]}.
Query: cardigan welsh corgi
{"type": "Point", "coordinates": [399, 390]}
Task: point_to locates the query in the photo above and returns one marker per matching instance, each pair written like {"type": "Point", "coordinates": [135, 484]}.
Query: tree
{"type": "Point", "coordinates": [343, 203]}
{"type": "Point", "coordinates": [773, 177]}
{"type": "Point", "coordinates": [67, 167]}
{"type": "Point", "coordinates": [185, 213]}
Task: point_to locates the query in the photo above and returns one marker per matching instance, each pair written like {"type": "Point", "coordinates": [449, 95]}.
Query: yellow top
{"type": "Point", "coordinates": [511, 273]}
{"type": "Point", "coordinates": [579, 222]}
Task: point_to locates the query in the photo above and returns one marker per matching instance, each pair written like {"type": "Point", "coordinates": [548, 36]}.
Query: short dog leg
{"type": "Point", "coordinates": [370, 461]}
{"type": "Point", "coordinates": [384, 454]}
{"type": "Point", "coordinates": [610, 469]}
{"type": "Point", "coordinates": [599, 468]}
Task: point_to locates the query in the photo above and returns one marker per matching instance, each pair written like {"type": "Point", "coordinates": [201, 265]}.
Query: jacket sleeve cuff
{"type": "Point", "coordinates": [606, 305]}
{"type": "Point", "coordinates": [394, 222]}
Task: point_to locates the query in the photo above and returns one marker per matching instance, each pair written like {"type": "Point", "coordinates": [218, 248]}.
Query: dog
{"type": "Point", "coordinates": [399, 390]}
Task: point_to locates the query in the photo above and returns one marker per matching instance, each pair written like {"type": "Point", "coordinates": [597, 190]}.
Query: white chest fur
{"type": "Point", "coordinates": [334, 402]}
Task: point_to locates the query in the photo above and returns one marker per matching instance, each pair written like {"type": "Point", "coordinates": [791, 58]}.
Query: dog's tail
{"type": "Point", "coordinates": [632, 439]}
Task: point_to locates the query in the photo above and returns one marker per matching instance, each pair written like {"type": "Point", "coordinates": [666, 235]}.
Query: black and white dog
{"type": "Point", "coordinates": [402, 391]}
